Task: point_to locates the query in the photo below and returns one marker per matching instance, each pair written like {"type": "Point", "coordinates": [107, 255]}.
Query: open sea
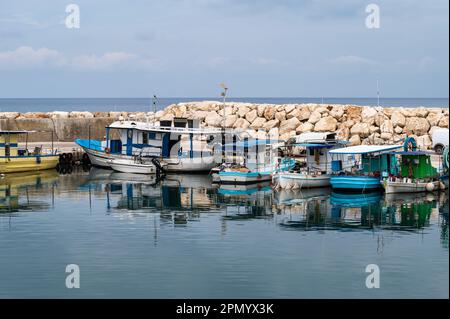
{"type": "Point", "coordinates": [133, 237]}
{"type": "Point", "coordinates": [145, 104]}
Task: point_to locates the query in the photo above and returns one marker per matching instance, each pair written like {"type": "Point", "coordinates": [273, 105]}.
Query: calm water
{"type": "Point", "coordinates": [145, 104]}
{"type": "Point", "coordinates": [185, 238]}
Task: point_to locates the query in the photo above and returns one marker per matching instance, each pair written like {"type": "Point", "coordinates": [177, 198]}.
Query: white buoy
{"type": "Point", "coordinates": [296, 185]}
{"type": "Point", "coordinates": [429, 187]}
{"type": "Point", "coordinates": [442, 186]}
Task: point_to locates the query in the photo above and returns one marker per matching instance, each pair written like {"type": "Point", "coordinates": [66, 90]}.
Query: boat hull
{"type": "Point", "coordinates": [244, 178]}
{"type": "Point", "coordinates": [197, 164]}
{"type": "Point", "coordinates": [355, 183]}
{"type": "Point", "coordinates": [99, 159]}
{"type": "Point", "coordinates": [391, 187]}
{"type": "Point", "coordinates": [125, 166]}
{"type": "Point", "coordinates": [299, 181]}
{"type": "Point", "coordinates": [27, 163]}
{"type": "Point", "coordinates": [102, 159]}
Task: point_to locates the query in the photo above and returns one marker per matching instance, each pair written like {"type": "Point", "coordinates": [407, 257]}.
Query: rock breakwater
{"type": "Point", "coordinates": [358, 124]}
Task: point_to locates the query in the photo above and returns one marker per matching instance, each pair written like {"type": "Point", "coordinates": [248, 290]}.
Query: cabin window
{"type": "Point", "coordinates": [7, 150]}
{"type": "Point", "coordinates": [144, 138]}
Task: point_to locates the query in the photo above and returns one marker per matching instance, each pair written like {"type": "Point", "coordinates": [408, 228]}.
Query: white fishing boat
{"type": "Point", "coordinates": [414, 172]}
{"type": "Point", "coordinates": [316, 171]}
{"type": "Point", "coordinates": [411, 186]}
{"type": "Point", "coordinates": [135, 166]}
{"type": "Point", "coordinates": [181, 144]}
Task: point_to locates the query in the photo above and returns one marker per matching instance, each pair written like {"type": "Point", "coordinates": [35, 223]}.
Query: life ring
{"type": "Point", "coordinates": [410, 145]}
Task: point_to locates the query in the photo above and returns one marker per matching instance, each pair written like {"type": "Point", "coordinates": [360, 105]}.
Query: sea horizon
{"type": "Point", "coordinates": [41, 104]}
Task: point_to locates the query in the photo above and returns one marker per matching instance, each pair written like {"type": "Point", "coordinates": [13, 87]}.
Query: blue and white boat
{"type": "Point", "coordinates": [180, 145]}
{"type": "Point", "coordinates": [369, 164]}
{"type": "Point", "coordinates": [316, 171]}
{"type": "Point", "coordinates": [257, 162]}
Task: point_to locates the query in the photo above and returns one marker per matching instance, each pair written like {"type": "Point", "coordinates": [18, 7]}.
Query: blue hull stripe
{"type": "Point", "coordinates": [355, 182]}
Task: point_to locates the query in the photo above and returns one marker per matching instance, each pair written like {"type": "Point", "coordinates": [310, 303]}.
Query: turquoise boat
{"type": "Point", "coordinates": [366, 165]}
{"type": "Point", "coordinates": [258, 163]}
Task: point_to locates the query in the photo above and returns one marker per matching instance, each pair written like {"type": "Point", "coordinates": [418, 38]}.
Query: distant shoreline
{"type": "Point", "coordinates": [24, 105]}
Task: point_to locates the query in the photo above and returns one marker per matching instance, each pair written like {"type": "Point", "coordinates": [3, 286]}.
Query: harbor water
{"type": "Point", "coordinates": [183, 237]}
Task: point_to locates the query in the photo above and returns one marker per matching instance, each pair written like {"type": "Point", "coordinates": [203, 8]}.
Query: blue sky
{"type": "Point", "coordinates": [185, 48]}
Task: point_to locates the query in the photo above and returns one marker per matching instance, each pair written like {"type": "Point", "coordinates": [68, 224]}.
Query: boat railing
{"type": "Point", "coordinates": [36, 151]}
{"type": "Point", "coordinates": [150, 126]}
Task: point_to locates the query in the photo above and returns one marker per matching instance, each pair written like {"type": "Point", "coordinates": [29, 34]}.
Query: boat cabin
{"type": "Point", "coordinates": [317, 147]}
{"type": "Point", "coordinates": [372, 160]}
{"type": "Point", "coordinates": [179, 137]}
{"type": "Point", "coordinates": [9, 145]}
{"type": "Point", "coordinates": [416, 164]}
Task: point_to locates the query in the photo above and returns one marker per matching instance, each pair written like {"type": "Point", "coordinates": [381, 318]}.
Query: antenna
{"type": "Point", "coordinates": [155, 100]}
{"type": "Point", "coordinates": [224, 95]}
{"type": "Point", "coordinates": [378, 93]}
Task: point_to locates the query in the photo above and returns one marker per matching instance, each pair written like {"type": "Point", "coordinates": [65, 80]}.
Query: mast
{"type": "Point", "coordinates": [155, 100]}
{"type": "Point", "coordinates": [224, 95]}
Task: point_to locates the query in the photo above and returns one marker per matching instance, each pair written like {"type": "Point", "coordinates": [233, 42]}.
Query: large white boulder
{"type": "Point", "coordinates": [326, 124]}
{"type": "Point", "coordinates": [314, 117]}
{"type": "Point", "coordinates": [289, 125]}
{"type": "Point", "coordinates": [9, 115]}
{"type": "Point", "coordinates": [213, 119]}
{"type": "Point", "coordinates": [305, 127]}
{"type": "Point", "coordinates": [361, 129]}
{"type": "Point", "coordinates": [258, 123]}
{"type": "Point", "coordinates": [368, 115]}
{"type": "Point", "coordinates": [398, 119]}
{"type": "Point", "coordinates": [417, 125]}
{"type": "Point", "coordinates": [81, 115]}
{"type": "Point", "coordinates": [251, 116]}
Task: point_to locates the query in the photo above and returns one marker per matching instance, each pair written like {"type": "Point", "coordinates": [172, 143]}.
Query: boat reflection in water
{"type": "Point", "coordinates": [27, 191]}
{"type": "Point", "coordinates": [177, 198]}
{"type": "Point", "coordinates": [360, 211]}
{"type": "Point", "coordinates": [443, 218]}
{"type": "Point", "coordinates": [246, 201]}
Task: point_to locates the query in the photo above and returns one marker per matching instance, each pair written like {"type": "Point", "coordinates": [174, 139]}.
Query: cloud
{"type": "Point", "coordinates": [28, 58]}
{"type": "Point", "coordinates": [352, 60]}
{"type": "Point", "coordinates": [106, 61]}
{"type": "Point", "coordinates": [267, 61]}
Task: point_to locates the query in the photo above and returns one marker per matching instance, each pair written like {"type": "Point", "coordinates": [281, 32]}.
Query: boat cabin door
{"type": "Point", "coordinates": [129, 142]}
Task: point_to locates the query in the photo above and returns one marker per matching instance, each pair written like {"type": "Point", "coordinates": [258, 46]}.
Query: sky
{"type": "Point", "coordinates": [186, 48]}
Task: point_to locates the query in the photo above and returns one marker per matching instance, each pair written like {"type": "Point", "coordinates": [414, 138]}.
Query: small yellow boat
{"type": "Point", "coordinates": [14, 159]}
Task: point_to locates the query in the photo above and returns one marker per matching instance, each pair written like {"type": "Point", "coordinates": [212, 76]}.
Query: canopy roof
{"type": "Point", "coordinates": [365, 149]}
{"type": "Point", "coordinates": [253, 142]}
{"type": "Point", "coordinates": [312, 145]}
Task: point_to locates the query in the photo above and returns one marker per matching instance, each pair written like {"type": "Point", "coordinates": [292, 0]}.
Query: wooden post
{"type": "Point", "coordinates": [26, 143]}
